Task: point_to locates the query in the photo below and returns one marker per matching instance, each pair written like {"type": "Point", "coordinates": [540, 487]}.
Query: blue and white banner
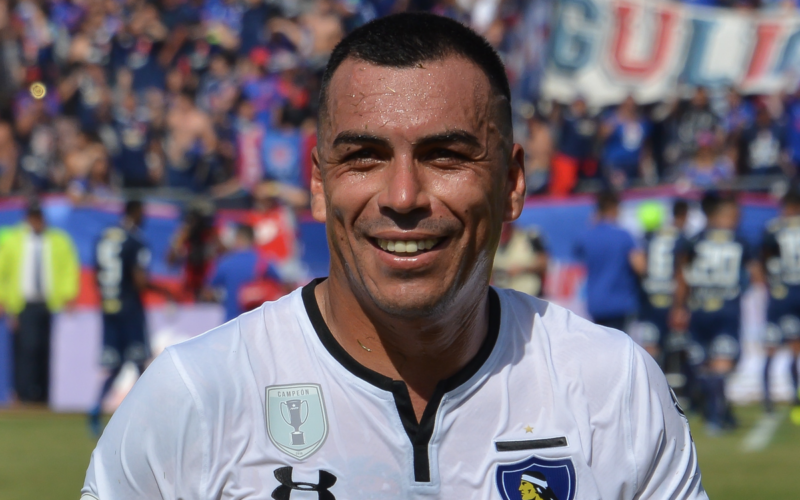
{"type": "Point", "coordinates": [607, 49]}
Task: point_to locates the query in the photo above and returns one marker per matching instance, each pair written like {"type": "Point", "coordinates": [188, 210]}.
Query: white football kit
{"type": "Point", "coordinates": [270, 406]}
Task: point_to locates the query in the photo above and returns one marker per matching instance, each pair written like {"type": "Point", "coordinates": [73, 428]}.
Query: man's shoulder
{"type": "Point", "coordinates": [565, 331]}
{"type": "Point", "coordinates": [571, 349]}
{"type": "Point", "coordinates": [220, 351]}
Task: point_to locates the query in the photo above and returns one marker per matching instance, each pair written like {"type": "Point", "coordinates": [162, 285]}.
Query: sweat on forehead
{"type": "Point", "coordinates": [451, 92]}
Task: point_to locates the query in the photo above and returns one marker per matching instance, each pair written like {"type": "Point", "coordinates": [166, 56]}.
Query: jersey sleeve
{"type": "Point", "coordinates": [747, 251]}
{"type": "Point", "coordinates": [664, 454]}
{"type": "Point", "coordinates": [155, 446]}
{"type": "Point", "coordinates": [769, 245]}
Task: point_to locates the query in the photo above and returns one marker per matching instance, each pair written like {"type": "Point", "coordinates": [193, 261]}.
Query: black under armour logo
{"type": "Point", "coordinates": [284, 491]}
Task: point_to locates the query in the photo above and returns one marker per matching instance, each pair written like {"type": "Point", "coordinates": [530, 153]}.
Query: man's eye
{"type": "Point", "coordinates": [362, 154]}
{"type": "Point", "coordinates": [444, 154]}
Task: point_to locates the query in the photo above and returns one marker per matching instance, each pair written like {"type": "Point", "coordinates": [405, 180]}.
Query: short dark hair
{"type": "Point", "coordinates": [791, 198]}
{"type": "Point", "coordinates": [133, 207]}
{"type": "Point", "coordinates": [33, 208]}
{"type": "Point", "coordinates": [714, 200]}
{"type": "Point", "coordinates": [407, 39]}
{"type": "Point", "coordinates": [606, 200]}
{"type": "Point", "coordinates": [680, 208]}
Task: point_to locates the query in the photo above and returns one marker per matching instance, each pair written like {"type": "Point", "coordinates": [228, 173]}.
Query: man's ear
{"type": "Point", "coordinates": [515, 184]}
{"type": "Point", "coordinates": [318, 206]}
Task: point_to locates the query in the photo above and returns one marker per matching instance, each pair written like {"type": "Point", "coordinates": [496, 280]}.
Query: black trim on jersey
{"type": "Point", "coordinates": [530, 444]}
{"type": "Point", "coordinates": [419, 433]}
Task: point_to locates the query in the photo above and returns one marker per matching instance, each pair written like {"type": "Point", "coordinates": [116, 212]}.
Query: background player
{"type": "Point", "coordinates": [521, 260]}
{"type": "Point", "coordinates": [613, 264]}
{"type": "Point", "coordinates": [658, 284]}
{"type": "Point", "coordinates": [121, 261]}
{"type": "Point", "coordinates": [711, 278]}
{"type": "Point", "coordinates": [780, 256]}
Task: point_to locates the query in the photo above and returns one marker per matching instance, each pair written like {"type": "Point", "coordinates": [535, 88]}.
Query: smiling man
{"type": "Point", "coordinates": [403, 374]}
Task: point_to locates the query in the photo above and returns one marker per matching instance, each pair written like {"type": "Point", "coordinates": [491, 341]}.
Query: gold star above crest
{"type": "Point", "coordinates": [528, 428]}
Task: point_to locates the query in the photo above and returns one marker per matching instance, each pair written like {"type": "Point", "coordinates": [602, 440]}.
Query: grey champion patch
{"type": "Point", "coordinates": [296, 420]}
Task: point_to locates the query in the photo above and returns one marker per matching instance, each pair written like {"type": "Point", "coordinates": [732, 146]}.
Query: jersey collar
{"type": "Point", "coordinates": [419, 433]}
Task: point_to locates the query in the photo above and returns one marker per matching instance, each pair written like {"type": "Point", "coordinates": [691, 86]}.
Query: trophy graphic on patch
{"type": "Point", "coordinates": [293, 407]}
{"type": "Point", "coordinates": [295, 420]}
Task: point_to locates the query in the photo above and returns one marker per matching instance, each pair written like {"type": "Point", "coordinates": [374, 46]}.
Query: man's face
{"type": "Point", "coordinates": [726, 217]}
{"type": "Point", "coordinates": [413, 176]}
{"type": "Point", "coordinates": [527, 491]}
{"type": "Point", "coordinates": [36, 221]}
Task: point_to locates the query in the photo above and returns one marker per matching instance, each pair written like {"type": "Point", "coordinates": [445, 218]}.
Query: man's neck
{"type": "Point", "coordinates": [419, 351]}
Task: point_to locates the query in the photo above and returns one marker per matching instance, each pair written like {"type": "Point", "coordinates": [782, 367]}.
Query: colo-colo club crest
{"type": "Point", "coordinates": [537, 479]}
{"type": "Point", "coordinates": [296, 419]}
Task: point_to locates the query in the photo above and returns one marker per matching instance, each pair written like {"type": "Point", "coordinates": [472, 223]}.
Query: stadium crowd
{"type": "Point", "coordinates": [205, 96]}
{"type": "Point", "coordinates": [219, 97]}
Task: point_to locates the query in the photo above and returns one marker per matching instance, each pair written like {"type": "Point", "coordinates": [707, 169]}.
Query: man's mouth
{"type": "Point", "coordinates": [407, 248]}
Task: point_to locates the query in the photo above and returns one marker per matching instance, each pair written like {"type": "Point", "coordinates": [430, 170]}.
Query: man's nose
{"type": "Point", "coordinates": [404, 191]}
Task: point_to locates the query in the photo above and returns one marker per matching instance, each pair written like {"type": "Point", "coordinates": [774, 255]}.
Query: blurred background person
{"type": "Point", "coordinates": [661, 243]}
{"type": "Point", "coordinates": [242, 279]}
{"type": "Point", "coordinates": [195, 246]}
{"type": "Point", "coordinates": [575, 153]}
{"type": "Point", "coordinates": [707, 168]}
{"type": "Point", "coordinates": [613, 263]}
{"type": "Point", "coordinates": [39, 276]}
{"type": "Point", "coordinates": [624, 135]}
{"type": "Point", "coordinates": [122, 259]}
{"type": "Point", "coordinates": [538, 150]}
{"type": "Point", "coordinates": [716, 266]}
{"type": "Point", "coordinates": [690, 121]}
{"type": "Point", "coordinates": [762, 145]}
{"type": "Point", "coordinates": [521, 260]}
{"type": "Point", "coordinates": [780, 258]}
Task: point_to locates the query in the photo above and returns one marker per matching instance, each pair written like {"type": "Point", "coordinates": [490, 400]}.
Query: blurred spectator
{"type": "Point", "coordinates": [613, 262]}
{"type": "Point", "coordinates": [576, 149]}
{"type": "Point", "coordinates": [707, 168]}
{"type": "Point", "coordinates": [243, 279]}
{"type": "Point", "coordinates": [94, 184]}
{"type": "Point", "coordinates": [624, 136]}
{"type": "Point", "coordinates": [538, 152]}
{"type": "Point", "coordinates": [521, 260]}
{"type": "Point", "coordinates": [275, 228]}
{"type": "Point", "coordinates": [689, 121]}
{"type": "Point", "coordinates": [39, 275]}
{"type": "Point", "coordinates": [189, 144]}
{"type": "Point", "coordinates": [739, 115]}
{"type": "Point", "coordinates": [195, 246]}
{"type": "Point", "coordinates": [762, 146]}
{"type": "Point", "coordinates": [134, 143]}
{"type": "Point", "coordinates": [792, 130]}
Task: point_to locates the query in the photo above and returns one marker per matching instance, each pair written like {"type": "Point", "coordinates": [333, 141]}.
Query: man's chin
{"type": "Point", "coordinates": [410, 301]}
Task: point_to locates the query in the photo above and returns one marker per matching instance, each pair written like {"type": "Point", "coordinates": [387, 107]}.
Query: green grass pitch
{"type": "Point", "coordinates": [44, 456]}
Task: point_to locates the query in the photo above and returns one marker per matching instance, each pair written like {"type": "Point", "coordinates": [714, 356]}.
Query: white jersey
{"type": "Point", "coordinates": [269, 406]}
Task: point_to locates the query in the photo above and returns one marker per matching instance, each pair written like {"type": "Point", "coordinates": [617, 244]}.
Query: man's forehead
{"type": "Point", "coordinates": [448, 93]}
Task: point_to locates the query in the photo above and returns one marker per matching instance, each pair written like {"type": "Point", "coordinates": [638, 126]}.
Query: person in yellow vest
{"type": "Point", "coordinates": [39, 275]}
{"type": "Point", "coordinates": [521, 260]}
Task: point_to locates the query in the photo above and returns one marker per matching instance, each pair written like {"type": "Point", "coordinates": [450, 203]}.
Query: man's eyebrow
{"type": "Point", "coordinates": [357, 138]}
{"type": "Point", "coordinates": [455, 136]}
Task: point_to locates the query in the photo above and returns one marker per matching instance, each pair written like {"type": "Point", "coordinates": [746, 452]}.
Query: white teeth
{"type": "Point", "coordinates": [403, 246]}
